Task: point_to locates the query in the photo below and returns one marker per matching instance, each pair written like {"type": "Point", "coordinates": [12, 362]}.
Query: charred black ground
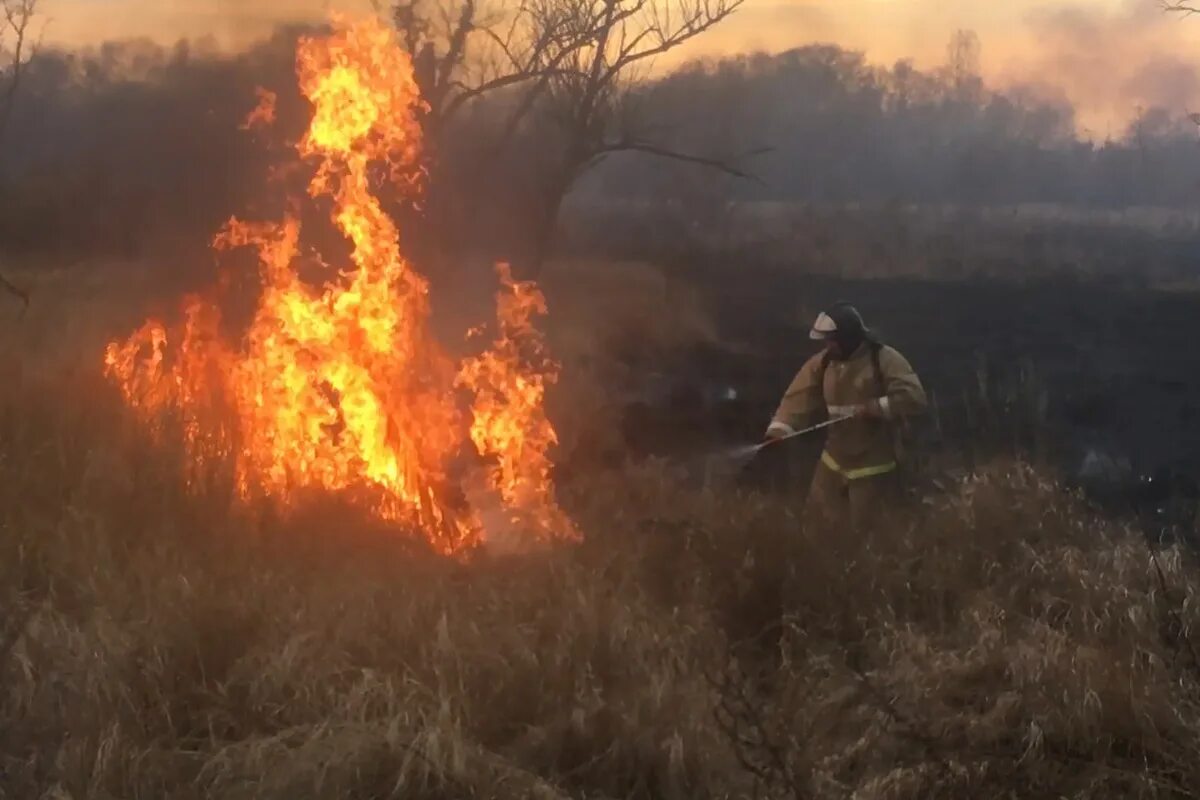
{"type": "Point", "coordinates": [1100, 381]}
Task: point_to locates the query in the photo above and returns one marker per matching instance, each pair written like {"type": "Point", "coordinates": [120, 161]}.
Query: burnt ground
{"type": "Point", "coordinates": [1055, 369]}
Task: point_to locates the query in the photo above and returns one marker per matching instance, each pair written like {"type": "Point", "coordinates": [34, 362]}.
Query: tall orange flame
{"type": "Point", "coordinates": [343, 389]}
{"type": "Point", "coordinates": [509, 412]}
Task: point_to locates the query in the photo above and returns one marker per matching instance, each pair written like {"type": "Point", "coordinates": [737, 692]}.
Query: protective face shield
{"type": "Point", "coordinates": [823, 328]}
{"type": "Point", "coordinates": [842, 324]}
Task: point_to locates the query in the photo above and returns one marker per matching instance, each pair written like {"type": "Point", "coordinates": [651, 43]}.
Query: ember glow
{"type": "Point", "coordinates": [342, 388]}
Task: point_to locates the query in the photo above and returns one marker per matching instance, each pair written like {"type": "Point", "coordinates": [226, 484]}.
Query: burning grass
{"type": "Point", "coordinates": [159, 642]}
{"type": "Point", "coordinates": [342, 388]}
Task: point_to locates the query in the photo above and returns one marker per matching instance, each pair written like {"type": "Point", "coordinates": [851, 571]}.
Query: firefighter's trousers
{"type": "Point", "coordinates": [849, 509]}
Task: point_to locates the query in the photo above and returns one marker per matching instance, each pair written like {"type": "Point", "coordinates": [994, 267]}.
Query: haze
{"type": "Point", "coordinates": [1109, 57]}
{"type": "Point", "coordinates": [305, 494]}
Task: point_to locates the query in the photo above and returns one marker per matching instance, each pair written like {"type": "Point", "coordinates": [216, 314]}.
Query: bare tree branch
{"type": "Point", "coordinates": [720, 165]}
{"type": "Point", "coordinates": [554, 46]}
{"type": "Point", "coordinates": [16, 291]}
{"type": "Point", "coordinates": [698, 18]}
{"type": "Point", "coordinates": [458, 43]}
{"type": "Point", "coordinates": [15, 50]}
{"type": "Point", "coordinates": [530, 41]}
{"type": "Point", "coordinates": [589, 103]}
{"type": "Point", "coordinates": [1180, 7]}
{"type": "Point", "coordinates": [572, 62]}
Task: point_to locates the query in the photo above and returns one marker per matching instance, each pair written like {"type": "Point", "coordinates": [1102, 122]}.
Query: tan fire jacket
{"type": "Point", "coordinates": [862, 447]}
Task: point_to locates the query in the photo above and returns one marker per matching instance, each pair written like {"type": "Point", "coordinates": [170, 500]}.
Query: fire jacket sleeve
{"type": "Point", "coordinates": [905, 396]}
{"type": "Point", "coordinates": [802, 402]}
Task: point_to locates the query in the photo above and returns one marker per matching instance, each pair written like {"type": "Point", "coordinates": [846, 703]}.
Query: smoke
{"type": "Point", "coordinates": [231, 23]}
{"type": "Point", "coordinates": [110, 145]}
{"type": "Point", "coordinates": [769, 27]}
{"type": "Point", "coordinates": [1108, 57]}
{"type": "Point", "coordinates": [1113, 63]}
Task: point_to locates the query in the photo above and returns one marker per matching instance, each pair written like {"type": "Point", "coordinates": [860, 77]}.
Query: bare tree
{"type": "Point", "coordinates": [463, 51]}
{"type": "Point", "coordinates": [1187, 9]}
{"type": "Point", "coordinates": [16, 50]}
{"type": "Point", "coordinates": [592, 103]}
{"type": "Point", "coordinates": [963, 56]}
{"type": "Point", "coordinates": [575, 63]}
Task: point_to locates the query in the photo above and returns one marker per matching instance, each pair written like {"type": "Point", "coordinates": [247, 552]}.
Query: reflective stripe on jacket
{"type": "Point", "coordinates": [861, 447]}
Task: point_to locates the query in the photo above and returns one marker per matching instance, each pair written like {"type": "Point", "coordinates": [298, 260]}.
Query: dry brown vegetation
{"type": "Point", "coordinates": [1004, 642]}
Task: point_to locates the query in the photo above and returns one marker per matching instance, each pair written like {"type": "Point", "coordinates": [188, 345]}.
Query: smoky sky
{"type": "Point", "coordinates": [1113, 62]}
{"type": "Point", "coordinates": [1108, 57]}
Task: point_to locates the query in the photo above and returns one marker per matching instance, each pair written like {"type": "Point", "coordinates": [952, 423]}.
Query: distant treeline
{"type": "Point", "coordinates": [112, 147]}
{"type": "Point", "coordinates": [839, 130]}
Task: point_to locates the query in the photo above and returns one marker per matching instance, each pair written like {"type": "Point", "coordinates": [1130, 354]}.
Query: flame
{"type": "Point", "coordinates": [509, 382]}
{"type": "Point", "coordinates": [342, 388]}
{"type": "Point", "coordinates": [263, 115]}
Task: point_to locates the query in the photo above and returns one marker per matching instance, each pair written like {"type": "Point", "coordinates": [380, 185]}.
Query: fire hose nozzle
{"type": "Point", "coordinates": [812, 429]}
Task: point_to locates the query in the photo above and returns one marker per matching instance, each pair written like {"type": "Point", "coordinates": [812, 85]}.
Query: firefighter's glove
{"type": "Point", "coordinates": [773, 434]}
{"type": "Point", "coordinates": [873, 409]}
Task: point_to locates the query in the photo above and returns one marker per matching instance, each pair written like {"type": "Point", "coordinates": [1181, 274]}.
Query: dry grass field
{"type": "Point", "coordinates": [1005, 641]}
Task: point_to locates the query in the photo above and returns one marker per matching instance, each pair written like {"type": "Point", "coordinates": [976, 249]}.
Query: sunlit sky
{"type": "Point", "coordinates": [1108, 56]}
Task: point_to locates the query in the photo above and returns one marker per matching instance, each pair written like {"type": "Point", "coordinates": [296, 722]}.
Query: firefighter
{"type": "Point", "coordinates": [857, 377]}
